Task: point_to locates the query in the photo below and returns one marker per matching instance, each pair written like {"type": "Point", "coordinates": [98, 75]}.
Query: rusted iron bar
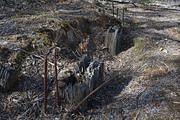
{"type": "Point", "coordinates": [46, 77]}
{"type": "Point", "coordinates": [102, 71]}
{"type": "Point", "coordinates": [45, 84]}
{"type": "Point", "coordinates": [56, 79]}
{"type": "Point", "coordinates": [117, 13]}
{"type": "Point", "coordinates": [103, 11]}
{"type": "Point", "coordinates": [113, 7]}
{"type": "Point", "coordinates": [123, 12]}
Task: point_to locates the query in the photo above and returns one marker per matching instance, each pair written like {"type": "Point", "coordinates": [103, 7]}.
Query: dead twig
{"type": "Point", "coordinates": [28, 110]}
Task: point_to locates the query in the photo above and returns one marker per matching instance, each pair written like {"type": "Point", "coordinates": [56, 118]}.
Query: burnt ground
{"type": "Point", "coordinates": [148, 83]}
{"type": "Point", "coordinates": [150, 88]}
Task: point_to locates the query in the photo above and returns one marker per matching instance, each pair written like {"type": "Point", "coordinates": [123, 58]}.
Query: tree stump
{"type": "Point", "coordinates": [76, 85]}
{"type": "Point", "coordinates": [113, 39]}
{"type": "Point", "coordinates": [8, 77]}
{"type": "Point", "coordinates": [11, 62]}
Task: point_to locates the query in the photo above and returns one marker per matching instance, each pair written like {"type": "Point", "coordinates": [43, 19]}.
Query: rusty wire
{"type": "Point", "coordinates": [46, 78]}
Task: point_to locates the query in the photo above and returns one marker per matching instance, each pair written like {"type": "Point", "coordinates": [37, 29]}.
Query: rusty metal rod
{"type": "Point", "coordinates": [123, 12]}
{"type": "Point", "coordinates": [56, 79]}
{"type": "Point", "coordinates": [113, 7]}
{"type": "Point", "coordinates": [117, 13]}
{"type": "Point", "coordinates": [103, 11]}
{"type": "Point", "coordinates": [45, 84]}
{"type": "Point", "coordinates": [102, 71]}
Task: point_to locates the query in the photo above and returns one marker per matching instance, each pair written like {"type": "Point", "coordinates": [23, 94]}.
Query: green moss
{"type": "Point", "coordinates": [21, 55]}
{"type": "Point", "coordinates": [139, 44]}
{"type": "Point", "coordinates": [65, 25]}
{"type": "Point", "coordinates": [46, 35]}
{"type": "Point", "coordinates": [46, 40]}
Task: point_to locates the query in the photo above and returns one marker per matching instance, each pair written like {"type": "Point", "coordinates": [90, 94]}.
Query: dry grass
{"type": "Point", "coordinates": [173, 32]}
{"type": "Point", "coordinates": [142, 44]}
{"type": "Point", "coordinates": [152, 72]}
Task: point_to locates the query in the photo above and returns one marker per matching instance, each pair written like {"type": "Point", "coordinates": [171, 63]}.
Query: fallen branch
{"type": "Point", "coordinates": [20, 116]}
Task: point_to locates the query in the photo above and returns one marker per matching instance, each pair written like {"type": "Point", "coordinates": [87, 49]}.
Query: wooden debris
{"type": "Point", "coordinates": [11, 64]}
{"type": "Point", "coordinates": [113, 39]}
{"type": "Point", "coordinates": [92, 92]}
{"type": "Point", "coordinates": [8, 77]}
{"type": "Point", "coordinates": [79, 83]}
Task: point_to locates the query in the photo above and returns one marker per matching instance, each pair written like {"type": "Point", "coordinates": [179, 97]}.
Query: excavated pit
{"type": "Point", "coordinates": [76, 85]}
{"type": "Point", "coordinates": [77, 77]}
{"type": "Point", "coordinates": [79, 80]}
{"type": "Point", "coordinates": [82, 41]}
